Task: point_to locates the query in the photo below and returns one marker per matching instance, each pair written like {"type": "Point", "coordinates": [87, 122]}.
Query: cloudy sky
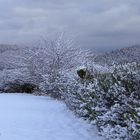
{"type": "Point", "coordinates": [97, 24]}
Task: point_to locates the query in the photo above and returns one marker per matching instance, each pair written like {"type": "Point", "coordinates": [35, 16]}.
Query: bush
{"type": "Point", "coordinates": [19, 87]}
{"type": "Point", "coordinates": [55, 86]}
{"type": "Point", "coordinates": [81, 73]}
{"type": "Point", "coordinates": [111, 100]}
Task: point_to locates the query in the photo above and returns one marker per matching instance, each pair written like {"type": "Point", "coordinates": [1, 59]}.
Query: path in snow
{"type": "Point", "coordinates": [27, 117]}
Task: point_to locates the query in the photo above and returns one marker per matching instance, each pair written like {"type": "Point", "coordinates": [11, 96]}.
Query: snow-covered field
{"type": "Point", "coordinates": [27, 117]}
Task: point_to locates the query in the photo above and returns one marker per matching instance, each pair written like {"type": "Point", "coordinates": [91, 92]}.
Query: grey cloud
{"type": "Point", "coordinates": [97, 24]}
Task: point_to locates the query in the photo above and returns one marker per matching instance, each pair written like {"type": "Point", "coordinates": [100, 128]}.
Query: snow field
{"type": "Point", "coordinates": [27, 117]}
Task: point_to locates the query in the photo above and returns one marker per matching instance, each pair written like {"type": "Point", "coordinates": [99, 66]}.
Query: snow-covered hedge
{"type": "Point", "coordinates": [16, 80]}
{"type": "Point", "coordinates": [111, 100]}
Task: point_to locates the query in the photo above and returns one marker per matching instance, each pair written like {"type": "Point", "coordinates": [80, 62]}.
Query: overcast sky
{"type": "Point", "coordinates": [97, 24]}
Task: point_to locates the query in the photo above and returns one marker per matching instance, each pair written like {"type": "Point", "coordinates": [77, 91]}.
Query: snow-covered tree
{"type": "Point", "coordinates": [50, 61]}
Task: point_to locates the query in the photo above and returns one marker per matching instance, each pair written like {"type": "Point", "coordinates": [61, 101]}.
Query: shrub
{"type": "Point", "coordinates": [19, 87]}
{"type": "Point", "coordinates": [55, 85]}
{"type": "Point", "coordinates": [111, 100]}
{"type": "Point", "coordinates": [81, 73]}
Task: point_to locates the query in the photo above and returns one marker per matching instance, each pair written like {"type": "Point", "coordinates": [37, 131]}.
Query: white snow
{"type": "Point", "coordinates": [28, 117]}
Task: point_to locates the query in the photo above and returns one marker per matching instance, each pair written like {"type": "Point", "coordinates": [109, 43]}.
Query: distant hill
{"type": "Point", "coordinates": [7, 61]}
{"type": "Point", "coordinates": [6, 47]}
{"type": "Point", "coordinates": [120, 56]}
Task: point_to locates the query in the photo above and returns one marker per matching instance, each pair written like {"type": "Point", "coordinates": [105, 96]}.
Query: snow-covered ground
{"type": "Point", "coordinates": [27, 117]}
